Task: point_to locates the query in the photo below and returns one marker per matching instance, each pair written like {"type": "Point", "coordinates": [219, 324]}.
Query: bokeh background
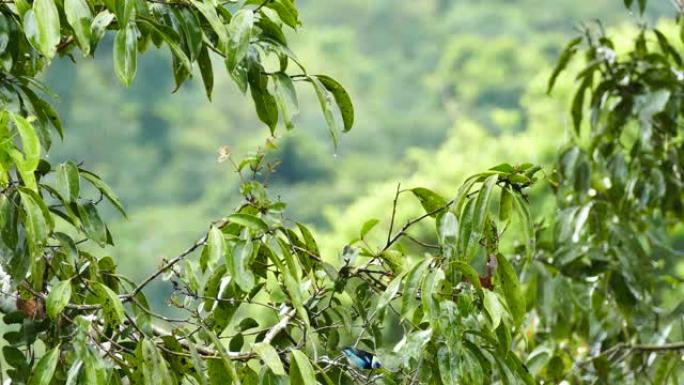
{"type": "Point", "coordinates": [442, 89]}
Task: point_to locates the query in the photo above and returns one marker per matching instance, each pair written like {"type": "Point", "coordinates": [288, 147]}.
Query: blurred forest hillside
{"type": "Point", "coordinates": [434, 82]}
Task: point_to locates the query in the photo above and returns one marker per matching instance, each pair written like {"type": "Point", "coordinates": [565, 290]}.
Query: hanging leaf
{"type": "Point", "coordinates": [411, 285]}
{"type": "Point", "coordinates": [45, 368]}
{"type": "Point", "coordinates": [47, 23]}
{"type": "Point", "coordinates": [209, 12]}
{"type": "Point", "coordinates": [125, 53]}
{"type": "Point", "coordinates": [37, 219]}
{"type": "Point", "coordinates": [93, 225]}
{"type": "Point", "coordinates": [239, 32]}
{"type": "Point", "coordinates": [215, 249]}
{"type": "Point", "coordinates": [154, 367]}
{"type": "Point", "coordinates": [111, 304]}
{"type": "Point", "coordinates": [469, 273]}
{"type": "Point", "coordinates": [59, 297]}
{"type": "Point", "coordinates": [238, 263]}
{"type": "Point", "coordinates": [510, 288]}
{"type": "Point", "coordinates": [68, 181]}
{"type": "Point", "coordinates": [344, 102]}
{"type": "Point", "coordinates": [301, 371]}
{"type": "Point", "coordinates": [264, 102]}
{"type": "Point", "coordinates": [206, 70]}
{"type": "Point", "coordinates": [104, 189]}
{"type": "Point", "coordinates": [390, 292]}
{"type": "Point", "coordinates": [565, 56]}
{"type": "Point", "coordinates": [325, 100]}
{"type": "Point", "coordinates": [505, 205]}
{"type": "Point", "coordinates": [286, 98]}
{"type": "Point", "coordinates": [80, 18]}
{"type": "Point", "coordinates": [494, 308]}
{"type": "Point", "coordinates": [270, 357]}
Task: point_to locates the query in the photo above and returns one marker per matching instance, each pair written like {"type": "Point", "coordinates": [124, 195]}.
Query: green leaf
{"type": "Point", "coordinates": [270, 357]}
{"type": "Point", "coordinates": [482, 202]}
{"type": "Point", "coordinates": [192, 31]}
{"type": "Point", "coordinates": [74, 371]}
{"type": "Point", "coordinates": [367, 227]}
{"type": "Point", "coordinates": [98, 27]}
{"type": "Point", "coordinates": [521, 207]}
{"type": "Point", "coordinates": [293, 289]}
{"type": "Point", "coordinates": [565, 56]}
{"type": "Point", "coordinates": [286, 11]}
{"type": "Point", "coordinates": [325, 100]}
{"type": "Point", "coordinates": [430, 200]}
{"type": "Point", "coordinates": [218, 375]}
{"type": "Point", "coordinates": [642, 6]}
{"type": "Point", "coordinates": [47, 23]}
{"type": "Point", "coordinates": [216, 247]}
{"type": "Point", "coordinates": [411, 284]}
{"type": "Point", "coordinates": [206, 70]}
{"type": "Point", "coordinates": [309, 239]}
{"type": "Point", "coordinates": [505, 168]}
{"type": "Point", "coordinates": [505, 205]}
{"type": "Point", "coordinates": [209, 12]}
{"type": "Point", "coordinates": [286, 98]}
{"type": "Point", "coordinates": [59, 297]}
{"type": "Point", "coordinates": [68, 181]}
{"type": "Point", "coordinates": [578, 103]}
{"type": "Point", "coordinates": [80, 17]}
{"type": "Point", "coordinates": [30, 144]}
{"type": "Point", "coordinates": [301, 371]}
{"type": "Point", "coordinates": [510, 288]}
{"type": "Point", "coordinates": [429, 288]}
{"type": "Point", "coordinates": [104, 189]}
{"type": "Point", "coordinates": [447, 225]}
{"type": "Point", "coordinates": [344, 102]}
{"type": "Point", "coordinates": [154, 367]}
{"type": "Point", "coordinates": [94, 371]}
{"type": "Point", "coordinates": [494, 308]}
{"type": "Point", "coordinates": [264, 102]}
{"type": "Point", "coordinates": [224, 365]}
{"type": "Point", "coordinates": [390, 292]}
{"type": "Point", "coordinates": [45, 368]}
{"type": "Point", "coordinates": [126, 53]}
{"type": "Point", "coordinates": [171, 38]}
{"type": "Point", "coordinates": [239, 32]}
{"type": "Point", "coordinates": [37, 219]}
{"type": "Point", "coordinates": [238, 264]}
{"type": "Point", "coordinates": [111, 304]}
{"type": "Point", "coordinates": [249, 221]}
{"type": "Point", "coordinates": [469, 272]}
{"type": "Point", "coordinates": [93, 225]}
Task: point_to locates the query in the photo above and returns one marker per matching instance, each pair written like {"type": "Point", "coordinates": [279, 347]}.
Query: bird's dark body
{"type": "Point", "coordinates": [361, 358]}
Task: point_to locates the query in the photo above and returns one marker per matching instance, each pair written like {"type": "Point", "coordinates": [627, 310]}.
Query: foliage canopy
{"type": "Point", "coordinates": [501, 297]}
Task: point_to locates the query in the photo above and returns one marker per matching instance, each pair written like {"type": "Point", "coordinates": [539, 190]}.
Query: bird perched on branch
{"type": "Point", "coordinates": [361, 358]}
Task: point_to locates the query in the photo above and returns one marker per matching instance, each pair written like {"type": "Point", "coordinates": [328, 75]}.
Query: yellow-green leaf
{"type": "Point", "coordinates": [270, 357]}
{"type": "Point", "coordinates": [301, 371]}
{"type": "Point", "coordinates": [45, 368]}
{"type": "Point", "coordinates": [47, 23]}
{"type": "Point", "coordinates": [80, 17]}
{"type": "Point", "coordinates": [59, 297]}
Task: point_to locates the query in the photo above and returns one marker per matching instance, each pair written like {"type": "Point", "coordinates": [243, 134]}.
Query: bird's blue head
{"type": "Point", "coordinates": [361, 358]}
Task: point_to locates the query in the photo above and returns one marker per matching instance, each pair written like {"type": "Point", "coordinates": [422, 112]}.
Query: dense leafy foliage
{"type": "Point", "coordinates": [492, 295]}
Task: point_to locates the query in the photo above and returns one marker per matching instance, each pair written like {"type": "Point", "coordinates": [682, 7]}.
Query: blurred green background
{"type": "Point", "coordinates": [441, 88]}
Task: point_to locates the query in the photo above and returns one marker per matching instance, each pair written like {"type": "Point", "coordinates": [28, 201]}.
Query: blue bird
{"type": "Point", "coordinates": [361, 358]}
